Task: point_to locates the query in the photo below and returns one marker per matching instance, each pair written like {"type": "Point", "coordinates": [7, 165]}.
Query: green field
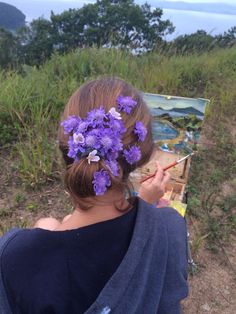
{"type": "Point", "coordinates": [31, 102]}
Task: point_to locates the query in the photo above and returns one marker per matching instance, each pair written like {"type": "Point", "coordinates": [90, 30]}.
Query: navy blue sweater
{"type": "Point", "coordinates": [69, 271]}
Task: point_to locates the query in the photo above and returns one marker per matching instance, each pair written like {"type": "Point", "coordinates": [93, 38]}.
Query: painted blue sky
{"type": "Point", "coordinates": [188, 16]}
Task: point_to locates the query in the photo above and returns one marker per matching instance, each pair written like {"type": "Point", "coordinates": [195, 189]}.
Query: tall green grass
{"type": "Point", "coordinates": [31, 101]}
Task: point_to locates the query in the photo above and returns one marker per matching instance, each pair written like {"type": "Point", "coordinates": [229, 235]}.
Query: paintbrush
{"type": "Point", "coordinates": [168, 167]}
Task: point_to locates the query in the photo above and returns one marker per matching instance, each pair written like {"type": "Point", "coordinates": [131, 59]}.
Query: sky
{"type": "Point", "coordinates": [205, 1]}
{"type": "Point", "coordinates": [153, 1]}
{"type": "Point", "coordinates": [185, 21]}
{"type": "Point", "coordinates": [81, 2]}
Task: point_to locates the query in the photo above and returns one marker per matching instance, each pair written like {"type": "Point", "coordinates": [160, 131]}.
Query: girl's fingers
{"type": "Point", "coordinates": [159, 175]}
{"type": "Point", "coordinates": [166, 178]}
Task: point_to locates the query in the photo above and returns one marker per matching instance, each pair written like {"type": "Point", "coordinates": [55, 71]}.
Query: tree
{"type": "Point", "coordinates": [8, 47]}
{"type": "Point", "coordinates": [36, 44]}
{"type": "Point", "coordinates": [106, 23]}
{"type": "Point", "coordinates": [67, 30]}
{"type": "Point", "coordinates": [110, 23]}
{"type": "Point", "coordinates": [193, 43]}
{"type": "Point", "coordinates": [228, 39]}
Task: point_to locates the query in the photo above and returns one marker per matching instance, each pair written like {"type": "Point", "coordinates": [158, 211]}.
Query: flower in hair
{"type": "Point", "coordinates": [82, 126]}
{"type": "Point", "coordinates": [140, 130]}
{"type": "Point", "coordinates": [101, 180]}
{"type": "Point", "coordinates": [93, 156]}
{"type": "Point", "coordinates": [96, 117]}
{"type": "Point", "coordinates": [115, 114]}
{"type": "Point", "coordinates": [126, 103]}
{"type": "Point", "coordinates": [74, 149]}
{"type": "Point", "coordinates": [99, 136]}
{"type": "Point", "coordinates": [112, 165]}
{"type": "Point", "coordinates": [78, 138]}
{"type": "Point", "coordinates": [91, 140]}
{"type": "Point", "coordinates": [70, 124]}
{"type": "Point", "coordinates": [132, 155]}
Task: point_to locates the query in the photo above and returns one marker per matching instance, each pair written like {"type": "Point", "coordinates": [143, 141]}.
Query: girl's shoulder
{"type": "Point", "coordinates": [163, 220]}
{"type": "Point", "coordinates": [11, 239]}
{"type": "Point", "coordinates": [7, 238]}
{"type": "Point", "coordinates": [18, 242]}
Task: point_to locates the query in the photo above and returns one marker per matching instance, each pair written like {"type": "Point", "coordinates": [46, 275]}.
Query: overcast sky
{"type": "Point", "coordinates": [205, 1]}
{"type": "Point", "coordinates": [215, 19]}
{"type": "Point", "coordinates": [153, 2]}
{"type": "Point", "coordinates": [150, 1]}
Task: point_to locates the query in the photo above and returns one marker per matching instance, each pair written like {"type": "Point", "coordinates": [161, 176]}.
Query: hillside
{"type": "Point", "coordinates": [31, 187]}
{"type": "Point", "coordinates": [11, 18]}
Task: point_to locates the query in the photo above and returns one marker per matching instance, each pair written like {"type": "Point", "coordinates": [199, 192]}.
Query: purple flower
{"type": "Point", "coordinates": [73, 149]}
{"type": "Point", "coordinates": [91, 141]}
{"type": "Point", "coordinates": [96, 116]}
{"type": "Point", "coordinates": [113, 155]}
{"type": "Point", "coordinates": [99, 135]}
{"type": "Point", "coordinates": [126, 103]}
{"type": "Point", "coordinates": [113, 167]}
{"type": "Point", "coordinates": [107, 142]}
{"type": "Point", "coordinates": [140, 130]}
{"type": "Point", "coordinates": [101, 182]}
{"type": "Point", "coordinates": [82, 127]}
{"type": "Point", "coordinates": [70, 124]}
{"type": "Point", "coordinates": [132, 155]}
{"type": "Point", "coordinates": [117, 126]}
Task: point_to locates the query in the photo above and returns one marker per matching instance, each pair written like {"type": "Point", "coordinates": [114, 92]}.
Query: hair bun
{"type": "Point", "coordinates": [107, 142]}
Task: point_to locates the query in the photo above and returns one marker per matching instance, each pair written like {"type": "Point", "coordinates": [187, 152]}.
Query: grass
{"type": "Point", "coordinates": [31, 103]}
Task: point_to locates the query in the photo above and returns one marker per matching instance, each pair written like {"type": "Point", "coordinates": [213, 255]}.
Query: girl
{"type": "Point", "coordinates": [115, 253]}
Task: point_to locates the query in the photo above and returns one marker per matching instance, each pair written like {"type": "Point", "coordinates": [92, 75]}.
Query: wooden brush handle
{"type": "Point", "coordinates": [164, 169]}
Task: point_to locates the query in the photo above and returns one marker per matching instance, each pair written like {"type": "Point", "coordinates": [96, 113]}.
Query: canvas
{"type": "Point", "coordinates": [177, 121]}
{"type": "Point", "coordinates": [176, 127]}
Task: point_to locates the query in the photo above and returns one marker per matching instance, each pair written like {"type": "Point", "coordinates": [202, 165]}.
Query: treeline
{"type": "Point", "coordinates": [107, 23]}
{"type": "Point", "coordinates": [200, 42]}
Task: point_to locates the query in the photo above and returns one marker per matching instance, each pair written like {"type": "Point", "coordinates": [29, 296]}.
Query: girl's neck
{"type": "Point", "coordinates": [102, 211]}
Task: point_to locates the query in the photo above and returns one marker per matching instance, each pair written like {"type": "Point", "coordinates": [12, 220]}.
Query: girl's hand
{"type": "Point", "coordinates": [154, 188]}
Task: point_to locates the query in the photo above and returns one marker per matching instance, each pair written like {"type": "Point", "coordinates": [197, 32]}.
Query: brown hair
{"type": "Point", "coordinates": [91, 95]}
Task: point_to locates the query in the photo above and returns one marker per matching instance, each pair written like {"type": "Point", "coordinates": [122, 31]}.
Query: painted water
{"type": "Point", "coordinates": [163, 131]}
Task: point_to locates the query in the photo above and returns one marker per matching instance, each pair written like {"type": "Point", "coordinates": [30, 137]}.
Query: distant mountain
{"type": "Point", "coordinates": [188, 110]}
{"type": "Point", "coordinates": [11, 18]}
{"type": "Point", "coordinates": [184, 111]}
{"type": "Point", "coordinates": [220, 8]}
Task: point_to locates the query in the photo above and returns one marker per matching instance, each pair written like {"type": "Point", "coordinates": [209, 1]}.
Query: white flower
{"type": "Point", "coordinates": [78, 138]}
{"type": "Point", "coordinates": [92, 156]}
{"type": "Point", "coordinates": [115, 113]}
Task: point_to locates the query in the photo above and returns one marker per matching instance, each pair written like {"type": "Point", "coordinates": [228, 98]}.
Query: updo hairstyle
{"type": "Point", "coordinates": [92, 95]}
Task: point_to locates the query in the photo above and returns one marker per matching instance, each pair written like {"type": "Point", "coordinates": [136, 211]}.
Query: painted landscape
{"type": "Point", "coordinates": [177, 121]}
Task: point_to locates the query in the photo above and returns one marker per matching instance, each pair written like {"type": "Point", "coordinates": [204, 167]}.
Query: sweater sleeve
{"type": "Point", "coordinates": [175, 284]}
{"type": "Point", "coordinates": [4, 240]}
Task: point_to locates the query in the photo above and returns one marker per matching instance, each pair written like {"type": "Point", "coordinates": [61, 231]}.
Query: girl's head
{"type": "Point", "coordinates": [106, 131]}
